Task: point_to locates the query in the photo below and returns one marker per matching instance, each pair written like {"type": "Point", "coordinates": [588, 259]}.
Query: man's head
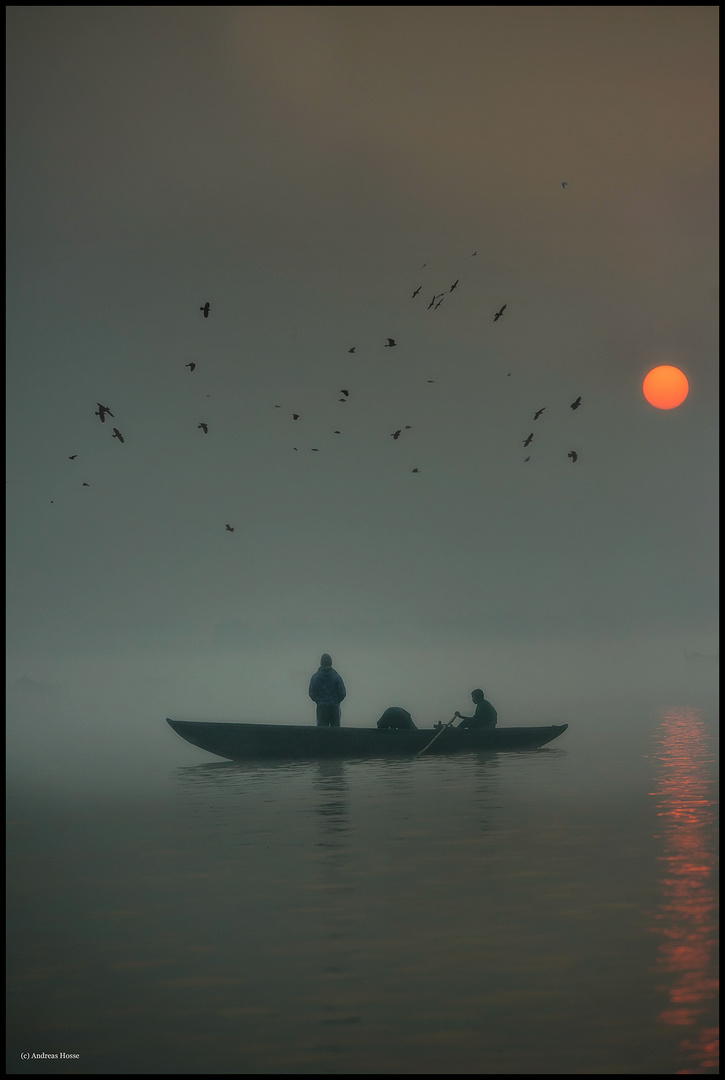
{"type": "Point", "coordinates": [477, 696]}
{"type": "Point", "coordinates": [325, 660]}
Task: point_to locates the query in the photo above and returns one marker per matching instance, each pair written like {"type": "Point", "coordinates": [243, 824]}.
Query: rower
{"type": "Point", "coordinates": [485, 715]}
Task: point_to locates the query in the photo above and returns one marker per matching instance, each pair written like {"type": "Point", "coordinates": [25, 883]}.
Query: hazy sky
{"type": "Point", "coordinates": [305, 170]}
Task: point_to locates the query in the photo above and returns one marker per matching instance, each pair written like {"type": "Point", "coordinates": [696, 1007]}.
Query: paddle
{"type": "Point", "coordinates": [437, 736]}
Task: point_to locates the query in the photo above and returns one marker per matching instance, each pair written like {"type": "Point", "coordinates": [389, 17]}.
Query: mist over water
{"type": "Point", "coordinates": [98, 722]}
{"type": "Point", "coordinates": [374, 916]}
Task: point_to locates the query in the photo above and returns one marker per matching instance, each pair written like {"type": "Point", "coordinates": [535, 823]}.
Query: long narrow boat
{"type": "Point", "coordinates": [244, 742]}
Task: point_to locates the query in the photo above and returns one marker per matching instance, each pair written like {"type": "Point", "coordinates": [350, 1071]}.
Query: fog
{"type": "Point", "coordinates": [305, 170]}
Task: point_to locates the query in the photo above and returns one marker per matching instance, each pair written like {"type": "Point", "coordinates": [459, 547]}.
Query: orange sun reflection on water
{"type": "Point", "coordinates": [687, 915]}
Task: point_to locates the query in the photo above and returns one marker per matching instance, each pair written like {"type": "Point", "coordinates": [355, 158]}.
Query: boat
{"type": "Point", "coordinates": [289, 742]}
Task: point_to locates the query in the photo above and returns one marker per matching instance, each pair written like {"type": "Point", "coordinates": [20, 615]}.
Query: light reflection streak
{"type": "Point", "coordinates": [686, 918]}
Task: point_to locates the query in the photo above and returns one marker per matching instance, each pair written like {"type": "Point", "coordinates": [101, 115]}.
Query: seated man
{"type": "Point", "coordinates": [398, 718]}
{"type": "Point", "coordinates": [485, 715]}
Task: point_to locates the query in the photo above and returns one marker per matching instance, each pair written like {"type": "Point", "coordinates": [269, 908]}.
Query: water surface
{"type": "Point", "coordinates": [547, 911]}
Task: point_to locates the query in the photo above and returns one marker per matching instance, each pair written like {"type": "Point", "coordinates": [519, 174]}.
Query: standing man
{"type": "Point", "coordinates": [327, 690]}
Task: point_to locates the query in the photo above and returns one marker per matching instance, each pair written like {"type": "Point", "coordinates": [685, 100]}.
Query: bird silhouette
{"type": "Point", "coordinates": [315, 449]}
{"type": "Point", "coordinates": [573, 455]}
{"type": "Point", "coordinates": [408, 427]}
{"type": "Point", "coordinates": [72, 457]}
{"type": "Point", "coordinates": [527, 441]}
{"type": "Point", "coordinates": [453, 286]}
{"type": "Point", "coordinates": [439, 303]}
{"type": "Point", "coordinates": [205, 309]}
{"type": "Point", "coordinates": [345, 392]}
{"type": "Point", "coordinates": [295, 416]}
{"type": "Point", "coordinates": [431, 303]}
{"type": "Point", "coordinates": [204, 428]}
{"type": "Point", "coordinates": [190, 366]}
{"type": "Point", "coordinates": [337, 433]}
{"type": "Point", "coordinates": [416, 292]}
{"type": "Point", "coordinates": [391, 343]}
{"type": "Point", "coordinates": [102, 410]}
{"type": "Point", "coordinates": [229, 528]}
{"type": "Point", "coordinates": [563, 183]}
{"type": "Point", "coordinates": [474, 253]}
{"type": "Point", "coordinates": [431, 380]}
{"type": "Point", "coordinates": [352, 349]}
{"type": "Point", "coordinates": [395, 434]}
{"type": "Point", "coordinates": [415, 470]}
{"type": "Point", "coordinates": [527, 459]}
{"type": "Point", "coordinates": [576, 404]}
{"type": "Point", "coordinates": [498, 314]}
{"type": "Point", "coordinates": [85, 484]}
{"type": "Point", "coordinates": [538, 413]}
{"type": "Point", "coordinates": [117, 435]}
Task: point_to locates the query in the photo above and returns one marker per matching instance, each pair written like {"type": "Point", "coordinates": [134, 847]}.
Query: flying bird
{"type": "Point", "coordinates": [527, 459]}
{"type": "Point", "coordinates": [85, 484]}
{"type": "Point", "coordinates": [498, 314]}
{"type": "Point", "coordinates": [395, 434]}
{"type": "Point", "coordinates": [352, 349]}
{"type": "Point", "coordinates": [205, 309]}
{"type": "Point", "coordinates": [563, 183]}
{"type": "Point", "coordinates": [391, 343]}
{"type": "Point", "coordinates": [72, 457]}
{"type": "Point", "coordinates": [229, 528]}
{"type": "Point", "coordinates": [204, 428]}
{"type": "Point", "coordinates": [431, 303]}
{"type": "Point", "coordinates": [102, 410]}
{"type": "Point", "coordinates": [573, 455]}
{"type": "Point", "coordinates": [408, 427]}
{"type": "Point", "coordinates": [315, 449]}
{"type": "Point", "coordinates": [337, 433]}
{"type": "Point", "coordinates": [527, 441]}
{"type": "Point", "coordinates": [455, 283]}
{"type": "Point", "coordinates": [576, 404]}
{"type": "Point", "coordinates": [431, 380]}
{"type": "Point", "coordinates": [190, 366]}
{"type": "Point", "coordinates": [475, 253]}
{"type": "Point", "coordinates": [415, 470]}
{"type": "Point", "coordinates": [538, 413]}
{"type": "Point", "coordinates": [117, 435]}
{"type": "Point", "coordinates": [295, 416]}
{"type": "Point", "coordinates": [416, 292]}
{"type": "Point", "coordinates": [345, 392]}
{"type": "Point", "coordinates": [439, 303]}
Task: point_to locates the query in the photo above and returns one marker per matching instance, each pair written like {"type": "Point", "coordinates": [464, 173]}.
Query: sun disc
{"type": "Point", "coordinates": [665, 387]}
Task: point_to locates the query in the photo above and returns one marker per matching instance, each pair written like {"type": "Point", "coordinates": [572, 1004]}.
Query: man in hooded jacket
{"type": "Point", "coordinates": [327, 690]}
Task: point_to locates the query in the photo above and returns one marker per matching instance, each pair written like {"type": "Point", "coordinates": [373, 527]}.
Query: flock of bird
{"type": "Point", "coordinates": [437, 299]}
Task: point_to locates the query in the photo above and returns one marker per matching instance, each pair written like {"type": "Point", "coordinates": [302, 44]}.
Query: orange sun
{"type": "Point", "coordinates": [665, 387]}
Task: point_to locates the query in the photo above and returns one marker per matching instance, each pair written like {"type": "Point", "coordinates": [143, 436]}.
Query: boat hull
{"type": "Point", "coordinates": [246, 742]}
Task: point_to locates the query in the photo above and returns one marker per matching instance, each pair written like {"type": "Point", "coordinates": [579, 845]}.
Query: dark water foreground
{"type": "Point", "coordinates": [549, 911]}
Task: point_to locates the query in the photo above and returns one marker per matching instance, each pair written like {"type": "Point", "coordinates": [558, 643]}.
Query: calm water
{"type": "Point", "coordinates": [552, 911]}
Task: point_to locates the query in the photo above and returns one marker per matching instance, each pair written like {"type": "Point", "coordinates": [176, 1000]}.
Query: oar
{"type": "Point", "coordinates": [437, 736]}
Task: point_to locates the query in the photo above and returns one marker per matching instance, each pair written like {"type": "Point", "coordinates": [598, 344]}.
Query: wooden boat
{"type": "Point", "coordinates": [243, 742]}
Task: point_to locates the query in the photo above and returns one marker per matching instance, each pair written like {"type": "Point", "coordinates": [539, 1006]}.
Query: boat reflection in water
{"type": "Point", "coordinates": [686, 918]}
